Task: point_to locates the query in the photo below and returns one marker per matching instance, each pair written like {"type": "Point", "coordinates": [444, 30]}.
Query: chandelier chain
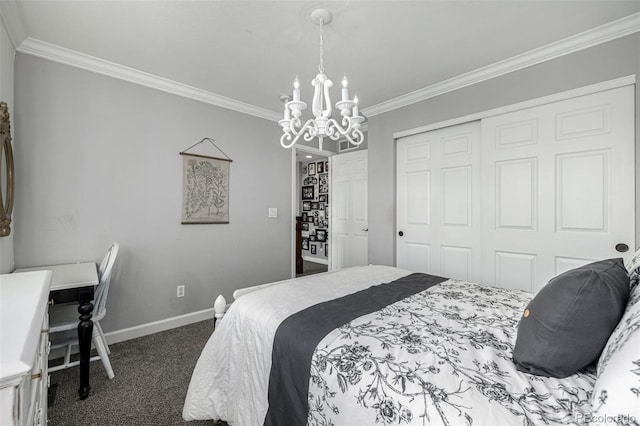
{"type": "Point", "coordinates": [321, 65]}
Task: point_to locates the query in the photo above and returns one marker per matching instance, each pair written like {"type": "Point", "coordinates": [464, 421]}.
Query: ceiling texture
{"type": "Point", "coordinates": [244, 54]}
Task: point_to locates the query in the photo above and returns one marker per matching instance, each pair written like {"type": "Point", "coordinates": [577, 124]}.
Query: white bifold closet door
{"type": "Point", "coordinates": [515, 199]}
{"type": "Point", "coordinates": [438, 200]}
{"type": "Point", "coordinates": [559, 187]}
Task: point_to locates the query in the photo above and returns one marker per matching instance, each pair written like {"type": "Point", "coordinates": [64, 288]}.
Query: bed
{"type": "Point", "coordinates": [382, 345]}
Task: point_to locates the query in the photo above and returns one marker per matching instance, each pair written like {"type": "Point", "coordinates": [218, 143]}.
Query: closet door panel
{"type": "Point", "coordinates": [414, 207]}
{"type": "Point", "coordinates": [456, 196]}
{"type": "Point", "coordinates": [438, 194]}
{"type": "Point", "coordinates": [417, 257]}
{"type": "Point", "coordinates": [581, 209]}
{"type": "Point", "coordinates": [559, 187]}
{"type": "Point", "coordinates": [456, 261]}
{"type": "Point", "coordinates": [516, 194]}
{"type": "Point", "coordinates": [516, 270]}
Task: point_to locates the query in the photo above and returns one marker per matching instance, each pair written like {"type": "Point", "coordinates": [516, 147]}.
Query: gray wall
{"type": "Point", "coordinates": [600, 63]}
{"type": "Point", "coordinates": [7, 59]}
{"type": "Point", "coordinates": [97, 161]}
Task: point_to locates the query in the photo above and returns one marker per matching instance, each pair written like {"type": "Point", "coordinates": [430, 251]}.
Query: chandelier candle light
{"type": "Point", "coordinates": [322, 126]}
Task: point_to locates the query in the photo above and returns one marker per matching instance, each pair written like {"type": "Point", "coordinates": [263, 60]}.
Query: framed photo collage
{"type": "Point", "coordinates": [315, 208]}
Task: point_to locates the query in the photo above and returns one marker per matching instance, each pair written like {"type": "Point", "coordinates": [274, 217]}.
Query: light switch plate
{"type": "Point", "coordinates": [273, 212]}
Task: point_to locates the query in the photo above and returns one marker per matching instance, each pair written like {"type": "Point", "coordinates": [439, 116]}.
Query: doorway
{"type": "Point", "coordinates": [311, 211]}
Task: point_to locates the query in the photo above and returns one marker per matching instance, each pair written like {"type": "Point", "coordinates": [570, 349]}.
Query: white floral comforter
{"type": "Point", "coordinates": [442, 356]}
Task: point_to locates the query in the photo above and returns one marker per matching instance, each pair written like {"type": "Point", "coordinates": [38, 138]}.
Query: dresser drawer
{"type": "Point", "coordinates": [24, 348]}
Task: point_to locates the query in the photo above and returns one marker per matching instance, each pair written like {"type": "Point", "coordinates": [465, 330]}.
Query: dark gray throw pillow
{"type": "Point", "coordinates": [567, 324]}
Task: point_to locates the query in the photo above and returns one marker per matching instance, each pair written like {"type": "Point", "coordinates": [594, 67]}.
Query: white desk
{"type": "Point", "coordinates": [71, 275]}
{"type": "Point", "coordinates": [75, 282]}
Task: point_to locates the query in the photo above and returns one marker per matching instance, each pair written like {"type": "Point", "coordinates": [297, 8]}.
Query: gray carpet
{"type": "Point", "coordinates": [152, 376]}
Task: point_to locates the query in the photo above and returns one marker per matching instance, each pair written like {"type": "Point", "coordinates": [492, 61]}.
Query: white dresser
{"type": "Point", "coordinates": [24, 346]}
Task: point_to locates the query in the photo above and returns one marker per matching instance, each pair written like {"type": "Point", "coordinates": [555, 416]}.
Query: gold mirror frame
{"type": "Point", "coordinates": [7, 179]}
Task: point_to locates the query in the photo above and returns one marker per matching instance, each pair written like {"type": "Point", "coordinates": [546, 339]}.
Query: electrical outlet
{"type": "Point", "coordinates": [180, 291]}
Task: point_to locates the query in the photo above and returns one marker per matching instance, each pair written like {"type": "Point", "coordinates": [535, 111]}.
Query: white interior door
{"type": "Point", "coordinates": [349, 221]}
{"type": "Point", "coordinates": [559, 187]}
{"type": "Point", "coordinates": [438, 199]}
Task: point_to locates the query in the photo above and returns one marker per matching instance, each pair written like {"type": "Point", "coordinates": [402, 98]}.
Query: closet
{"type": "Point", "coordinates": [515, 198]}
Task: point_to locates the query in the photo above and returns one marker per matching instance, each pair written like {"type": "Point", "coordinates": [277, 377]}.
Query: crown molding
{"type": "Point", "coordinates": [12, 20]}
{"type": "Point", "coordinates": [598, 35]}
{"type": "Point", "coordinates": [52, 52]}
{"type": "Point", "coordinates": [10, 14]}
{"type": "Point", "coordinates": [531, 103]}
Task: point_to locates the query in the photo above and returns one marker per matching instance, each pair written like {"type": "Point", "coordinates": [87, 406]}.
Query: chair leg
{"type": "Point", "coordinates": [67, 355]}
{"type": "Point", "coordinates": [102, 336]}
{"type": "Point", "coordinates": [102, 351]}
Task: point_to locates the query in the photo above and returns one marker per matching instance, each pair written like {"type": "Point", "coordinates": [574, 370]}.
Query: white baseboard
{"type": "Point", "coordinates": [157, 326]}
{"type": "Point", "coordinates": [147, 329]}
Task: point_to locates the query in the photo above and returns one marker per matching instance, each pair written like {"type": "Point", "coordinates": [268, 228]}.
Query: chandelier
{"type": "Point", "coordinates": [322, 125]}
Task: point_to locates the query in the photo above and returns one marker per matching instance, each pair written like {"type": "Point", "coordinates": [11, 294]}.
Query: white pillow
{"type": "Point", "coordinates": [616, 395]}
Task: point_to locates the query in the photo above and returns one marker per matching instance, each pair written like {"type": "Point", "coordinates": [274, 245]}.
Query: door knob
{"type": "Point", "coordinates": [401, 233]}
{"type": "Point", "coordinates": [622, 248]}
{"type": "Point", "coordinates": [365, 229]}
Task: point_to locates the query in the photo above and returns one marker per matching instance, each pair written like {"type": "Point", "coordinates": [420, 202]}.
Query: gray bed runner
{"type": "Point", "coordinates": [298, 335]}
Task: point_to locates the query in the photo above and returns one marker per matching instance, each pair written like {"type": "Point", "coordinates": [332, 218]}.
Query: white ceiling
{"type": "Point", "coordinates": [251, 51]}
